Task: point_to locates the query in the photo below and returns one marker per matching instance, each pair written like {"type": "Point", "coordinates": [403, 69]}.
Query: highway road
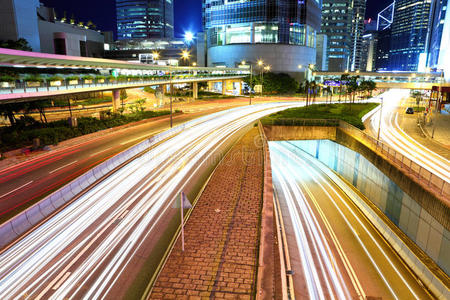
{"type": "Point", "coordinates": [334, 250]}
{"type": "Point", "coordinates": [23, 184]}
{"type": "Point", "coordinates": [397, 138]}
{"type": "Point", "coordinates": [94, 247]}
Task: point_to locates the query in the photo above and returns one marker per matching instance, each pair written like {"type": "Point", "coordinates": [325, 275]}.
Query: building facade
{"type": "Point", "coordinates": [409, 34]}
{"type": "Point", "coordinates": [438, 45]}
{"type": "Point", "coordinates": [18, 19]}
{"type": "Point", "coordinates": [282, 33]}
{"type": "Point", "coordinates": [343, 23]}
{"type": "Point", "coordinates": [44, 33]}
{"type": "Point", "coordinates": [143, 19]}
{"type": "Point", "coordinates": [161, 52]}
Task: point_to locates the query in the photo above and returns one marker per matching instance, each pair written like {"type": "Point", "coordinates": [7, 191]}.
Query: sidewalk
{"type": "Point", "coordinates": [222, 234]}
{"type": "Point", "coordinates": [440, 144]}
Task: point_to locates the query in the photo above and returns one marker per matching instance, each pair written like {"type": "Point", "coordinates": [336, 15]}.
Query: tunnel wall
{"type": "Point", "coordinates": [404, 211]}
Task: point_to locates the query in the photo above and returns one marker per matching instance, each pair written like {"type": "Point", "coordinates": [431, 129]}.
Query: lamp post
{"type": "Point", "coordinates": [379, 121]}
{"type": "Point", "coordinates": [171, 94]}
{"type": "Point", "coordinates": [438, 101]}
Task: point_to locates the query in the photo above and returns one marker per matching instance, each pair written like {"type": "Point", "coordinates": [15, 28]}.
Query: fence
{"type": "Point", "coordinates": [24, 87]}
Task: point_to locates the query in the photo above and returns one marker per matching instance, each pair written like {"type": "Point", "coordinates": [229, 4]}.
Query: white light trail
{"type": "Point", "coordinates": [395, 137]}
{"type": "Point", "coordinates": [86, 244]}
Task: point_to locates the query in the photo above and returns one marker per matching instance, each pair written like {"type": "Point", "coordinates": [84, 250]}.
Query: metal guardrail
{"type": "Point", "coordinates": [432, 180]}
{"type": "Point", "coordinates": [24, 87]}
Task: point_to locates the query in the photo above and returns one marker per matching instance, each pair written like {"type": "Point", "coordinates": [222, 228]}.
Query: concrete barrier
{"type": "Point", "coordinates": [23, 222]}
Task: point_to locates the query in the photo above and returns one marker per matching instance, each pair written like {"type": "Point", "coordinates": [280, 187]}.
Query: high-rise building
{"type": "Point", "coordinates": [321, 56]}
{"type": "Point", "coordinates": [438, 46]}
{"type": "Point", "coordinates": [141, 19]}
{"type": "Point", "coordinates": [368, 53]}
{"type": "Point", "coordinates": [282, 33]}
{"type": "Point", "coordinates": [409, 34]}
{"type": "Point", "coordinates": [343, 23]}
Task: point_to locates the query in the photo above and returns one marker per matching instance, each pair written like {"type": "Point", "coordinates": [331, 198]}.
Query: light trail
{"type": "Point", "coordinates": [395, 137]}
{"type": "Point", "coordinates": [296, 172]}
{"type": "Point", "coordinates": [83, 250]}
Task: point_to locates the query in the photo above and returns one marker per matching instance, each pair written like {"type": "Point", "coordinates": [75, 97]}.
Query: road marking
{"type": "Point", "coordinates": [93, 154]}
{"type": "Point", "coordinates": [16, 189]}
{"type": "Point", "coordinates": [133, 140]}
{"type": "Point", "coordinates": [58, 284]}
{"type": "Point", "coordinates": [62, 167]}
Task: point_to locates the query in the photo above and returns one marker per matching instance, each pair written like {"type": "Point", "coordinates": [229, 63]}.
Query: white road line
{"type": "Point", "coordinates": [16, 189]}
{"type": "Point", "coordinates": [94, 154]}
{"type": "Point", "coordinates": [123, 215]}
{"type": "Point", "coordinates": [62, 167]}
{"type": "Point", "coordinates": [57, 285]}
{"type": "Point", "coordinates": [133, 140]}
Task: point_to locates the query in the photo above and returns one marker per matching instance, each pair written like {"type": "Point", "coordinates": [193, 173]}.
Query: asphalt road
{"type": "Point", "coordinates": [25, 183]}
{"type": "Point", "coordinates": [94, 247]}
{"type": "Point", "coordinates": [393, 135]}
{"type": "Point", "coordinates": [334, 250]}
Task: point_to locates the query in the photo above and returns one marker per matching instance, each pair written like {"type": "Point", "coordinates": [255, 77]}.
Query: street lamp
{"type": "Point", "coordinates": [155, 55]}
{"type": "Point", "coordinates": [185, 54]}
{"type": "Point", "coordinates": [379, 122]}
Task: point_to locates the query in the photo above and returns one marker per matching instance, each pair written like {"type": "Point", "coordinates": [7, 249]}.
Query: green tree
{"type": "Point", "coordinates": [20, 44]}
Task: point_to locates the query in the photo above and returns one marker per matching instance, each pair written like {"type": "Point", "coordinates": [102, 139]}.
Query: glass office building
{"type": "Point", "coordinates": [141, 19]}
{"type": "Point", "coordinates": [270, 30]}
{"type": "Point", "coordinates": [343, 23]}
{"type": "Point", "coordinates": [438, 46]}
{"type": "Point", "coordinates": [409, 34]}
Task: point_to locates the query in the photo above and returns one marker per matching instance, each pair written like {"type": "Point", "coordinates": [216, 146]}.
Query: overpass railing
{"type": "Point", "coordinates": [23, 86]}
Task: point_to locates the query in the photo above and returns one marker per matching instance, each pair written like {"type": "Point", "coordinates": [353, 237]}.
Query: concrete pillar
{"type": "Point", "coordinates": [210, 85]}
{"type": "Point", "coordinates": [195, 90]}
{"type": "Point", "coordinates": [224, 87]}
{"type": "Point", "coordinates": [116, 100]}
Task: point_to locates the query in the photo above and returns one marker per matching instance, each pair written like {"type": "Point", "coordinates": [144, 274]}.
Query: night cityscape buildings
{"type": "Point", "coordinates": [438, 45]}
{"type": "Point", "coordinates": [343, 23]}
{"type": "Point", "coordinates": [141, 19]}
{"type": "Point", "coordinates": [37, 24]}
{"type": "Point", "coordinates": [409, 35]}
{"type": "Point", "coordinates": [280, 33]}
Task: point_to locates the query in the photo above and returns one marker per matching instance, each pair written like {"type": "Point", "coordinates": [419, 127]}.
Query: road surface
{"type": "Point", "coordinates": [335, 252]}
{"type": "Point", "coordinates": [94, 247]}
{"type": "Point", "coordinates": [397, 138]}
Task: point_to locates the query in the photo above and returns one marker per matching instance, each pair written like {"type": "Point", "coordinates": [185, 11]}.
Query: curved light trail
{"type": "Point", "coordinates": [319, 208]}
{"type": "Point", "coordinates": [395, 137]}
{"type": "Point", "coordinates": [84, 249]}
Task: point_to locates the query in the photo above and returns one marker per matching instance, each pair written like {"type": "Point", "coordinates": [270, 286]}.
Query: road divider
{"type": "Point", "coordinates": [19, 225]}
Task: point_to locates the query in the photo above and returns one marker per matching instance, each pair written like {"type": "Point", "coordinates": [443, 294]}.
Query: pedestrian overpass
{"type": "Point", "coordinates": [390, 80]}
{"type": "Point", "coordinates": [110, 75]}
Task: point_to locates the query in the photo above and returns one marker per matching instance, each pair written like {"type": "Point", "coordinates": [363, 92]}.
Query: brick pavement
{"type": "Point", "coordinates": [222, 234]}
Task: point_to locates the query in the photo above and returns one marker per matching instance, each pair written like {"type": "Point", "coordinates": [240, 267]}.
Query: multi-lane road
{"type": "Point", "coordinates": [393, 135]}
{"type": "Point", "coordinates": [94, 247]}
{"type": "Point", "coordinates": [334, 250]}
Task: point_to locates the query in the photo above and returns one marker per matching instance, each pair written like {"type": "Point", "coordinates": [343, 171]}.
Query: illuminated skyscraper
{"type": "Point", "coordinates": [438, 46]}
{"type": "Point", "coordinates": [280, 32]}
{"type": "Point", "coordinates": [409, 34]}
{"type": "Point", "coordinates": [141, 19]}
{"type": "Point", "coordinates": [343, 23]}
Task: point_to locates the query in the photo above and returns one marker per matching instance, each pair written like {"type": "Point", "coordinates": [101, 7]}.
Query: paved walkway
{"type": "Point", "coordinates": [222, 234]}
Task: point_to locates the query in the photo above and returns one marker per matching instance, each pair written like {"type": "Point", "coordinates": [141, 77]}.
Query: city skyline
{"type": "Point", "coordinates": [187, 14]}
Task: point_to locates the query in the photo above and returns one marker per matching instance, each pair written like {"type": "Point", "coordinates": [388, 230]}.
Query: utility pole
{"type": "Point", "coordinates": [251, 82]}
{"type": "Point", "coordinates": [379, 123]}
{"type": "Point", "coordinates": [171, 94]}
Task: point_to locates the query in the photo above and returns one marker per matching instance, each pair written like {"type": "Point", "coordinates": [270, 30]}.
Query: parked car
{"type": "Point", "coordinates": [409, 110]}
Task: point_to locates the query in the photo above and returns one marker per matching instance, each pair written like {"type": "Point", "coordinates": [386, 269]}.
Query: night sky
{"type": "Point", "coordinates": [187, 12]}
